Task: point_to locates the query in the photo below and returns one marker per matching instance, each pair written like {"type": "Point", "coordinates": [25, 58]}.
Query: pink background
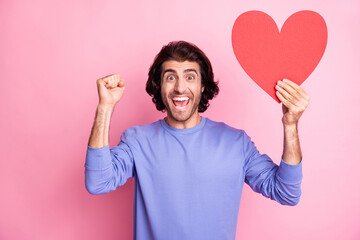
{"type": "Point", "coordinates": [50, 57]}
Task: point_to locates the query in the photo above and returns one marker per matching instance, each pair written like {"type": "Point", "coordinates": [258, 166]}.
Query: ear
{"type": "Point", "coordinates": [202, 89]}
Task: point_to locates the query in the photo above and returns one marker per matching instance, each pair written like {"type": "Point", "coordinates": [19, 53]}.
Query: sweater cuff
{"type": "Point", "coordinates": [290, 173]}
{"type": "Point", "coordinates": [98, 158]}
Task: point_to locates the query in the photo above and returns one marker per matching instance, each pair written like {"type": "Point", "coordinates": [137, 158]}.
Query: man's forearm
{"type": "Point", "coordinates": [99, 136]}
{"type": "Point", "coordinates": [292, 152]}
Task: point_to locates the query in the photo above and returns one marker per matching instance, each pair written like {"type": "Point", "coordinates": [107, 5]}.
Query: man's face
{"type": "Point", "coordinates": [181, 89]}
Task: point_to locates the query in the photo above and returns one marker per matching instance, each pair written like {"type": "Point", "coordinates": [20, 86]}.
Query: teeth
{"type": "Point", "coordinates": [180, 98]}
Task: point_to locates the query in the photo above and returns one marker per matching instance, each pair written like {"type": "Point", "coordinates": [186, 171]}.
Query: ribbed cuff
{"type": "Point", "coordinates": [290, 173]}
{"type": "Point", "coordinates": [98, 158]}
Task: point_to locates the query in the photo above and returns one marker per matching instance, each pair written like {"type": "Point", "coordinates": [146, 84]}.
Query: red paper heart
{"type": "Point", "coordinates": [268, 55]}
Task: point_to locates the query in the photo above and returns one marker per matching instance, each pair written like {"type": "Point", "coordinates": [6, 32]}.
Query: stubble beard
{"type": "Point", "coordinates": [179, 117]}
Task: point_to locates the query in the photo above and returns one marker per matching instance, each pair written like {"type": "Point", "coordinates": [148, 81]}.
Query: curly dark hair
{"type": "Point", "coordinates": [181, 51]}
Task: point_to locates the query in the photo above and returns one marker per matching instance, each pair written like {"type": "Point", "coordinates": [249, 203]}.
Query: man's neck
{"type": "Point", "coordinates": [193, 121]}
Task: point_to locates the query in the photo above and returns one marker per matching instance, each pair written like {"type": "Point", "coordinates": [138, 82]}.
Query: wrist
{"type": "Point", "coordinates": [106, 106]}
{"type": "Point", "coordinates": [290, 126]}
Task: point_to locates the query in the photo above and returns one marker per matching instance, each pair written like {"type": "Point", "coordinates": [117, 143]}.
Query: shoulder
{"type": "Point", "coordinates": [137, 135]}
{"type": "Point", "coordinates": [141, 130]}
{"type": "Point", "coordinates": [221, 126]}
{"type": "Point", "coordinates": [223, 129]}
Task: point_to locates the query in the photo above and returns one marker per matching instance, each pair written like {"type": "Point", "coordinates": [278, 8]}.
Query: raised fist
{"type": "Point", "coordinates": [110, 89]}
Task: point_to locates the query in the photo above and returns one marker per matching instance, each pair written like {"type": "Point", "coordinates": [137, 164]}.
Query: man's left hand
{"type": "Point", "coordinates": [294, 101]}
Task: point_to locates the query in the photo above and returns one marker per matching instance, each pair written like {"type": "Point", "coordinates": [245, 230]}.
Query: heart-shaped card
{"type": "Point", "coordinates": [268, 55]}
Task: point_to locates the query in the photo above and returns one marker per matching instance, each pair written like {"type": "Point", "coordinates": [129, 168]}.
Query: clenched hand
{"type": "Point", "coordinates": [294, 101]}
{"type": "Point", "coordinates": [110, 89]}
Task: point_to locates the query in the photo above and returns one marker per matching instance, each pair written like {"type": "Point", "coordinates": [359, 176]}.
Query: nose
{"type": "Point", "coordinates": [180, 85]}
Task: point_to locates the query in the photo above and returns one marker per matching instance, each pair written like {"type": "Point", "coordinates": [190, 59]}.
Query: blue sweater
{"type": "Point", "coordinates": [188, 182]}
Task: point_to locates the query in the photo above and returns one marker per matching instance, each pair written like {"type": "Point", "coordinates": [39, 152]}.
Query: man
{"type": "Point", "coordinates": [189, 170]}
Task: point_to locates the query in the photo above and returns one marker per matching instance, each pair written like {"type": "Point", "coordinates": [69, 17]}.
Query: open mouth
{"type": "Point", "coordinates": [180, 103]}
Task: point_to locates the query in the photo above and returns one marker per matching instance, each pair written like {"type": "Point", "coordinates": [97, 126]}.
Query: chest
{"type": "Point", "coordinates": [189, 162]}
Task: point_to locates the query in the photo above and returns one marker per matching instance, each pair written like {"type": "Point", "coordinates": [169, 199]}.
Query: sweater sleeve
{"type": "Point", "coordinates": [280, 183]}
{"type": "Point", "coordinates": [106, 169]}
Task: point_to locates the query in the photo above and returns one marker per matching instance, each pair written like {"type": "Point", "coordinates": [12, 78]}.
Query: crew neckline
{"type": "Point", "coordinates": [183, 130]}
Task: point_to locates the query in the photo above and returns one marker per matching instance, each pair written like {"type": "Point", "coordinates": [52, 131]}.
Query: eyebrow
{"type": "Point", "coordinates": [185, 71]}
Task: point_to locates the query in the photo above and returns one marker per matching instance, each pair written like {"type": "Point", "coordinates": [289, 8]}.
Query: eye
{"type": "Point", "coordinates": [190, 77]}
{"type": "Point", "coordinates": [170, 77]}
